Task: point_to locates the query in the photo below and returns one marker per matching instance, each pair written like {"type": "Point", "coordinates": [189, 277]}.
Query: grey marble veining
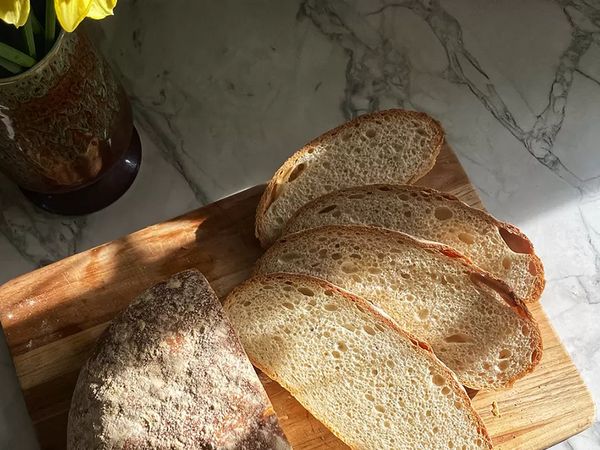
{"type": "Point", "coordinates": [224, 91]}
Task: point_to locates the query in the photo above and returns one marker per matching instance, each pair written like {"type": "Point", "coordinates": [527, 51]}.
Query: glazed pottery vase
{"type": "Point", "coordinates": [66, 134]}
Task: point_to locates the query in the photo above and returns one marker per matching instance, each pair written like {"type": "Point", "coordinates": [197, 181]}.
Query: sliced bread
{"type": "Point", "coordinates": [497, 247]}
{"type": "Point", "coordinates": [371, 384]}
{"type": "Point", "coordinates": [170, 372]}
{"type": "Point", "coordinates": [473, 322]}
{"type": "Point", "coordinates": [393, 146]}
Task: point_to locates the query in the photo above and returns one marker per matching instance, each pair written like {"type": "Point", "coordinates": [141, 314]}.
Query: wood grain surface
{"type": "Point", "coordinates": [53, 316]}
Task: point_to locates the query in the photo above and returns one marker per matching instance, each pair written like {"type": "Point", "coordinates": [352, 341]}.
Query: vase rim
{"type": "Point", "coordinates": [55, 47]}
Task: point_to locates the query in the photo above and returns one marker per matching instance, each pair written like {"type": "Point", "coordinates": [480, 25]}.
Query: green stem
{"type": "Point", "coordinates": [29, 41]}
{"type": "Point", "coordinates": [35, 24]}
{"type": "Point", "coordinates": [10, 66]}
{"type": "Point", "coordinates": [15, 56]}
{"type": "Point", "coordinates": [50, 23]}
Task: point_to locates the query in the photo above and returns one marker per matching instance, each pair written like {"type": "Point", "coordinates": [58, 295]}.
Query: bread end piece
{"type": "Point", "coordinates": [170, 372]}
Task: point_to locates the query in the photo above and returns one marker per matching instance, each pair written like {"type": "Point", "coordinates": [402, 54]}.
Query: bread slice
{"type": "Point", "coordinates": [371, 384]}
{"type": "Point", "coordinates": [497, 247]}
{"type": "Point", "coordinates": [170, 372]}
{"type": "Point", "coordinates": [473, 322]}
{"type": "Point", "coordinates": [393, 146]}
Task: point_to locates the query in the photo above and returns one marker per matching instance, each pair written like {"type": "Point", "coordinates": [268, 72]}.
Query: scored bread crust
{"type": "Point", "coordinates": [496, 284]}
{"type": "Point", "coordinates": [539, 281]}
{"type": "Point", "coordinates": [419, 346]}
{"type": "Point", "coordinates": [269, 194]}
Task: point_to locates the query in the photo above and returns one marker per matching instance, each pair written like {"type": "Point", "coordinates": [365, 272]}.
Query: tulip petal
{"type": "Point", "coordinates": [70, 13]}
{"type": "Point", "coordinates": [14, 11]}
{"type": "Point", "coordinates": [101, 8]}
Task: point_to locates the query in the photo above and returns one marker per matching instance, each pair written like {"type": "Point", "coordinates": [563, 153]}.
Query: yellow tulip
{"type": "Point", "coordinates": [14, 11]}
{"type": "Point", "coordinates": [70, 13]}
{"type": "Point", "coordinates": [101, 9]}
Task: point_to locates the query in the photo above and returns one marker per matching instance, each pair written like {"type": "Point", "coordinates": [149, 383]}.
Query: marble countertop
{"type": "Point", "coordinates": [224, 91]}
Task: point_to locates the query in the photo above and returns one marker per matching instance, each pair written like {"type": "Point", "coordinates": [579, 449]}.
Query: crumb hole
{"type": "Point", "coordinates": [371, 133]}
{"type": "Point", "coordinates": [327, 209]}
{"type": "Point", "coordinates": [349, 327]}
{"type": "Point", "coordinates": [516, 243]}
{"type": "Point", "coordinates": [532, 268]}
{"type": "Point", "coordinates": [438, 380]}
{"type": "Point", "coordinates": [467, 238]}
{"type": "Point", "coordinates": [506, 262]}
{"type": "Point", "coordinates": [356, 196]}
{"type": "Point", "coordinates": [504, 354]}
{"type": "Point", "coordinates": [287, 257]}
{"type": "Point", "coordinates": [297, 171]}
{"type": "Point", "coordinates": [349, 267]}
{"type": "Point", "coordinates": [330, 307]}
{"type": "Point", "coordinates": [342, 347]}
{"type": "Point", "coordinates": [458, 338]}
{"type": "Point", "coordinates": [306, 291]}
{"type": "Point", "coordinates": [369, 330]}
{"type": "Point", "coordinates": [442, 213]}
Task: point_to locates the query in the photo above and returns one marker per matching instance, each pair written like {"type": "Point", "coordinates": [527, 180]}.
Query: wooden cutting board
{"type": "Point", "coordinates": [52, 317]}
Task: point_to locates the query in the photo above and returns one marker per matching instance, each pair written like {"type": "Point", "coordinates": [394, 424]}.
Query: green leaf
{"type": "Point", "coordinates": [15, 56]}
{"type": "Point", "coordinates": [35, 24]}
{"type": "Point", "coordinates": [10, 66]}
{"type": "Point", "coordinates": [50, 24]}
{"type": "Point", "coordinates": [29, 41]}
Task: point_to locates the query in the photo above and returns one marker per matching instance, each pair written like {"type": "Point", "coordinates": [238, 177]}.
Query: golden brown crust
{"type": "Point", "coordinates": [268, 195]}
{"type": "Point", "coordinates": [499, 286]}
{"type": "Point", "coordinates": [419, 346]}
{"type": "Point", "coordinates": [539, 281]}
